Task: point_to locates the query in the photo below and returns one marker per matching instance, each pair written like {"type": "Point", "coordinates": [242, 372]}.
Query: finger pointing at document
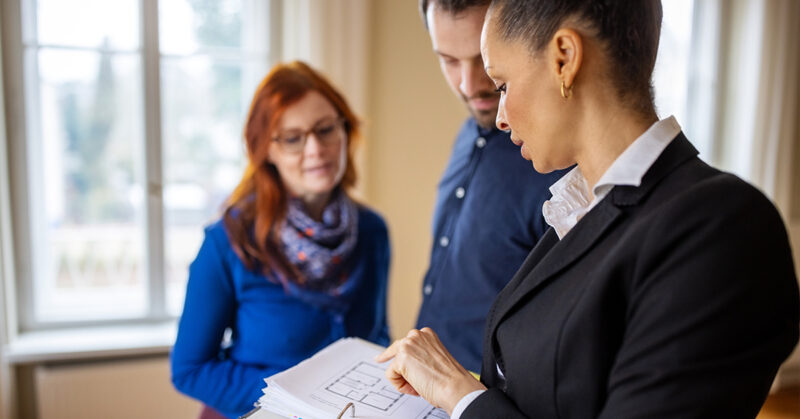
{"type": "Point", "coordinates": [422, 366]}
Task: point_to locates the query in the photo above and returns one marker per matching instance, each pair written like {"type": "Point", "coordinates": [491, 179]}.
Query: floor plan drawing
{"type": "Point", "coordinates": [342, 377]}
{"type": "Point", "coordinates": [363, 383]}
{"type": "Point", "coordinates": [434, 413]}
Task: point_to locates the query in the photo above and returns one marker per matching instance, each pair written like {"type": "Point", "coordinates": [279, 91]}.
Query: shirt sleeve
{"type": "Point", "coordinates": [464, 402]}
{"type": "Point", "coordinates": [199, 367]}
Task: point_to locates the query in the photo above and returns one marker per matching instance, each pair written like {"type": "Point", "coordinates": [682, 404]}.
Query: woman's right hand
{"type": "Point", "coordinates": [422, 366]}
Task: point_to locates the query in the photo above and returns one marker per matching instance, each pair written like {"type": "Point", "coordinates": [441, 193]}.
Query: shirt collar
{"type": "Point", "coordinates": [571, 198]}
{"type": "Point", "coordinates": [630, 167]}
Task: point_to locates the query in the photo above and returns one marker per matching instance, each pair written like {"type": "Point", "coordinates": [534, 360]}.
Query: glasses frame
{"type": "Point", "coordinates": [340, 124]}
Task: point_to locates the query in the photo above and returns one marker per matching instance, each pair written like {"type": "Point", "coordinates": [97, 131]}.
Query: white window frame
{"type": "Point", "coordinates": [17, 234]}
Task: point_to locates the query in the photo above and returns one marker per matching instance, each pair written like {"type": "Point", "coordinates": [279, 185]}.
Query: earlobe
{"type": "Point", "coordinates": [568, 46]}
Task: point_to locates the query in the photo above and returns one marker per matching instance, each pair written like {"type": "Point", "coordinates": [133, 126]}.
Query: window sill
{"type": "Point", "coordinates": [91, 343]}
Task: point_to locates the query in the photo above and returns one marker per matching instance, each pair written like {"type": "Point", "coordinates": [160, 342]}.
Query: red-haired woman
{"type": "Point", "coordinates": [294, 263]}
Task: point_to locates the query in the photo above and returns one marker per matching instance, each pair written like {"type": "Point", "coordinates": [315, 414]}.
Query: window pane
{"type": "Point", "coordinates": [204, 102]}
{"type": "Point", "coordinates": [89, 23]}
{"type": "Point", "coordinates": [671, 73]}
{"type": "Point", "coordinates": [187, 26]}
{"type": "Point", "coordinates": [86, 186]}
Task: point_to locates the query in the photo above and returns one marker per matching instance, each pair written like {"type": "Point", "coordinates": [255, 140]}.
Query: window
{"type": "Point", "coordinates": [672, 71]}
{"type": "Point", "coordinates": [133, 114]}
{"type": "Point", "coordinates": [687, 69]}
{"type": "Point", "coordinates": [672, 64]}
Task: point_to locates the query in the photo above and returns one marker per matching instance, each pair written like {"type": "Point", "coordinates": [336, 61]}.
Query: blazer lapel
{"type": "Point", "coordinates": [542, 248]}
{"type": "Point", "coordinates": [543, 264]}
{"type": "Point", "coordinates": [564, 253]}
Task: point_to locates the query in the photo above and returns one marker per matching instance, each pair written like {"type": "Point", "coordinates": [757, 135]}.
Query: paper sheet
{"type": "Point", "coordinates": [321, 386]}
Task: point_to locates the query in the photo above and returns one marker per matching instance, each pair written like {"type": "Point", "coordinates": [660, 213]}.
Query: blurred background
{"type": "Point", "coordinates": [120, 137]}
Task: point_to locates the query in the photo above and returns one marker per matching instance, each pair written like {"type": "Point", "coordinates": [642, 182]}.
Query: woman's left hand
{"type": "Point", "coordinates": [423, 367]}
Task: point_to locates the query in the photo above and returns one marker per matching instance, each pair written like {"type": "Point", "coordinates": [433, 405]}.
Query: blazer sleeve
{"type": "Point", "coordinates": [200, 368]}
{"type": "Point", "coordinates": [492, 403]}
{"type": "Point", "coordinates": [713, 308]}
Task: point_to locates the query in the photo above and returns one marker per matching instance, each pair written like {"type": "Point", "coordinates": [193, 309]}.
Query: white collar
{"type": "Point", "coordinates": [571, 198]}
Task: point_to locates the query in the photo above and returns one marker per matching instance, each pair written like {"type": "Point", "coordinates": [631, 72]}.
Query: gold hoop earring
{"type": "Point", "coordinates": [566, 92]}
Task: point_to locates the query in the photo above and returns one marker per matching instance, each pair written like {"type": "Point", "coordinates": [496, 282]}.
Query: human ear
{"type": "Point", "coordinates": [567, 48]}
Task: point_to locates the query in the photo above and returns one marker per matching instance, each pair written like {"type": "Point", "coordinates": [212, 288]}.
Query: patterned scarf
{"type": "Point", "coordinates": [320, 252]}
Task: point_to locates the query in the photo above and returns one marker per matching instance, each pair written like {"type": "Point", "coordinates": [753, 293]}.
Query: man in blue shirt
{"type": "Point", "coordinates": [489, 203]}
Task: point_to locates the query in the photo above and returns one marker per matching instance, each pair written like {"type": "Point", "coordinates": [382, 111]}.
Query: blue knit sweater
{"type": "Point", "coordinates": [272, 330]}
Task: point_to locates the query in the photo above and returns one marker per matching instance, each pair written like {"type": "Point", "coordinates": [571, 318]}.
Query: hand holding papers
{"type": "Point", "coordinates": [344, 372]}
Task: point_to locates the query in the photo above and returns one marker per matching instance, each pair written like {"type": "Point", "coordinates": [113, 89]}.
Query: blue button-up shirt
{"type": "Point", "coordinates": [488, 218]}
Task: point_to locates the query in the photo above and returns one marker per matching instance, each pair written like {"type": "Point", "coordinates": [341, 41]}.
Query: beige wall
{"type": "Point", "coordinates": [795, 211]}
{"type": "Point", "coordinates": [121, 389]}
{"type": "Point", "coordinates": [412, 120]}
{"type": "Point", "coordinates": [791, 374]}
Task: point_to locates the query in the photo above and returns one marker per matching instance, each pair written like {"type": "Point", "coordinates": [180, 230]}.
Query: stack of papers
{"type": "Point", "coordinates": [343, 372]}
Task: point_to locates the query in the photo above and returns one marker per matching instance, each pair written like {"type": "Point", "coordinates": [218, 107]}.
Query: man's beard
{"type": "Point", "coordinates": [484, 118]}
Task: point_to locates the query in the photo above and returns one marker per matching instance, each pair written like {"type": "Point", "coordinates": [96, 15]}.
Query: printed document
{"type": "Point", "coordinates": [343, 372]}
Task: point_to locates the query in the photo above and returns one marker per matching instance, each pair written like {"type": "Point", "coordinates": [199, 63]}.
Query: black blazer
{"type": "Point", "coordinates": [674, 299]}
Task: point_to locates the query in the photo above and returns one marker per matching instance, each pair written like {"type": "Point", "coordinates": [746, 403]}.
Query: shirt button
{"type": "Point", "coordinates": [460, 192]}
{"type": "Point", "coordinates": [480, 142]}
{"type": "Point", "coordinates": [444, 241]}
{"type": "Point", "coordinates": [428, 289]}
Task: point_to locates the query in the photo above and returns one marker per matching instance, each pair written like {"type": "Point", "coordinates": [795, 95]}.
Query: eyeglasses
{"type": "Point", "coordinates": [328, 131]}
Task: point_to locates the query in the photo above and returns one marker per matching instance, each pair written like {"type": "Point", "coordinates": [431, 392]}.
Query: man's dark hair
{"type": "Point", "coordinates": [453, 7]}
{"type": "Point", "coordinates": [630, 31]}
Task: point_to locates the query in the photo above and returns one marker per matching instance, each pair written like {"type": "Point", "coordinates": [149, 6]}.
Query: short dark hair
{"type": "Point", "coordinates": [629, 29]}
{"type": "Point", "coordinates": [453, 7]}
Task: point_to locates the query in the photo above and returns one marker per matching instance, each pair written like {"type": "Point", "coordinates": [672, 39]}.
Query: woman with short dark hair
{"type": "Point", "coordinates": [665, 289]}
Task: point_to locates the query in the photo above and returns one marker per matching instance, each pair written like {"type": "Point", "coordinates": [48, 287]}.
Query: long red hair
{"type": "Point", "coordinates": [258, 205]}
